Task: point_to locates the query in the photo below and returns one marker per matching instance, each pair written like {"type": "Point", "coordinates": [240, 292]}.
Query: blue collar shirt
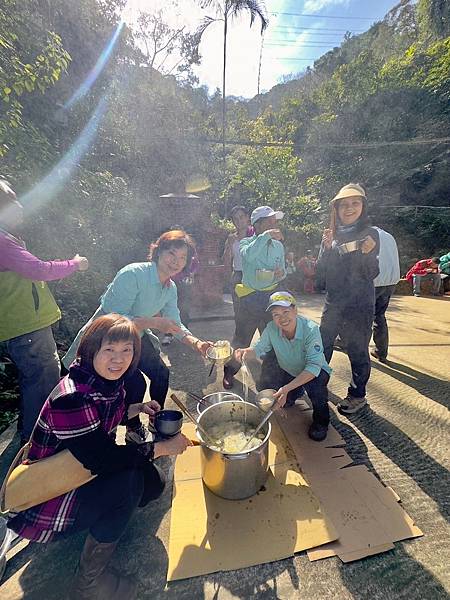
{"type": "Point", "coordinates": [303, 353]}
{"type": "Point", "coordinates": [261, 252]}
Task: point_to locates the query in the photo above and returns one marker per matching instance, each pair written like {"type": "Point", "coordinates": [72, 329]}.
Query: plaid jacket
{"type": "Point", "coordinates": [80, 403]}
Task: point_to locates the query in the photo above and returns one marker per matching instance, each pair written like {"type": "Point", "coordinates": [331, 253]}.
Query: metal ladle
{"type": "Point", "coordinates": [263, 422]}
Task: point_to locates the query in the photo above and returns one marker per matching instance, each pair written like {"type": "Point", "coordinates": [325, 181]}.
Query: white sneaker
{"type": "Point", "coordinates": [167, 339]}
{"type": "Point", "coordinates": [6, 537]}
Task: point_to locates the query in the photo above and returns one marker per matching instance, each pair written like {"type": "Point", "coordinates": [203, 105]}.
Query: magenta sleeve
{"type": "Point", "coordinates": [15, 258]}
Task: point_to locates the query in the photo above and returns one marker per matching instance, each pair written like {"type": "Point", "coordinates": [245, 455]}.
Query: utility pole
{"type": "Point", "coordinates": [260, 61]}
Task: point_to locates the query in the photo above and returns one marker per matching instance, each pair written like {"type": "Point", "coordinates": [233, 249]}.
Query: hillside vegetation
{"type": "Point", "coordinates": [88, 149]}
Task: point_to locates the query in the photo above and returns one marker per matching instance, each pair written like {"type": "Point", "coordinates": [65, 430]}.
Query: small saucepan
{"type": "Point", "coordinates": [168, 422]}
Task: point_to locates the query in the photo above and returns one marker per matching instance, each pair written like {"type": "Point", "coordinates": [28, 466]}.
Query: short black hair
{"type": "Point", "coordinates": [236, 209]}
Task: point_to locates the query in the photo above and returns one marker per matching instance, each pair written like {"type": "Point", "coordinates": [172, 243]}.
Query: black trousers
{"type": "Point", "coordinates": [380, 328]}
{"type": "Point", "coordinates": [152, 365]}
{"type": "Point", "coordinates": [184, 292]}
{"type": "Point", "coordinates": [354, 325]}
{"type": "Point", "coordinates": [251, 315]}
{"type": "Point", "coordinates": [107, 503]}
{"type": "Point", "coordinates": [274, 377]}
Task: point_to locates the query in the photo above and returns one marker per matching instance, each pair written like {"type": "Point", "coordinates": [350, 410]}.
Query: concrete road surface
{"type": "Point", "coordinates": [403, 437]}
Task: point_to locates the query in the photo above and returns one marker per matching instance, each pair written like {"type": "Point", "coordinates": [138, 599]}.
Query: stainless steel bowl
{"type": "Point", "coordinates": [350, 246]}
{"type": "Point", "coordinates": [168, 422]}
{"type": "Point", "coordinates": [215, 398]}
{"type": "Point", "coordinates": [264, 399]}
{"type": "Point", "coordinates": [212, 356]}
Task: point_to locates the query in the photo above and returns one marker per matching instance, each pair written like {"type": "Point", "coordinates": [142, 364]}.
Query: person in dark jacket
{"type": "Point", "coordinates": [346, 267]}
{"type": "Point", "coordinates": [80, 415]}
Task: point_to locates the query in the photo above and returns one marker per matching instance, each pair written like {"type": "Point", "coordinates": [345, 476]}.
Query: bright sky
{"type": "Point", "coordinates": [291, 42]}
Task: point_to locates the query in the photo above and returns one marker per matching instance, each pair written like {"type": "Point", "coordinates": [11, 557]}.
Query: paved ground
{"type": "Point", "coordinates": [403, 436]}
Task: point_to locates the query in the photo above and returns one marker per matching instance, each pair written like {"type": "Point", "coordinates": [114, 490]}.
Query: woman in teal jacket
{"type": "Point", "coordinates": [145, 293]}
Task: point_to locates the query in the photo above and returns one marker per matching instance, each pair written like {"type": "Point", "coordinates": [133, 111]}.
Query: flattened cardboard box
{"type": "Point", "coordinates": [366, 514]}
{"type": "Point", "coordinates": [208, 533]}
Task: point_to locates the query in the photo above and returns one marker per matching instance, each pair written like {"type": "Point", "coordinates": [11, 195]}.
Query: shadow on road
{"type": "Point", "coordinates": [436, 389]}
{"type": "Point", "coordinates": [429, 475]}
{"type": "Point", "coordinates": [393, 574]}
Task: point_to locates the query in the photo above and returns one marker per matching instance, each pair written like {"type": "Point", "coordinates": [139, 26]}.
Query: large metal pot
{"type": "Point", "coordinates": [234, 476]}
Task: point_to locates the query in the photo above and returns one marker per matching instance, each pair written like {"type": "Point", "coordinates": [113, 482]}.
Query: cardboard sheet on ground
{"type": "Point", "coordinates": [208, 533]}
{"type": "Point", "coordinates": [366, 513]}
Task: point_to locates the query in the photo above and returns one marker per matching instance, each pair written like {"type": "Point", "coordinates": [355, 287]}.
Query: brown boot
{"type": "Point", "coordinates": [93, 581]}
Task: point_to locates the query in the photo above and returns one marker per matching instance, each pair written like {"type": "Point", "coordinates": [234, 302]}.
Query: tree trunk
{"type": "Point", "coordinates": [224, 112]}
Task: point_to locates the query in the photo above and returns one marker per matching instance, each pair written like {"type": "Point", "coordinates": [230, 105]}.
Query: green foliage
{"type": "Point", "coordinates": [425, 68]}
{"type": "Point", "coordinates": [387, 85]}
{"type": "Point", "coordinates": [434, 19]}
{"type": "Point", "coordinates": [30, 59]}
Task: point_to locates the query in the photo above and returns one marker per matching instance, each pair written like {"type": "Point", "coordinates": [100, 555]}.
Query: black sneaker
{"type": "Point", "coordinates": [318, 432]}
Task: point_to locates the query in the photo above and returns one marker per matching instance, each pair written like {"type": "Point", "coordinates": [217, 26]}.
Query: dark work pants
{"type": "Point", "coordinates": [107, 503]}
{"type": "Point", "coordinates": [184, 292]}
{"type": "Point", "coordinates": [37, 362]}
{"type": "Point", "coordinates": [153, 366]}
{"type": "Point", "coordinates": [251, 316]}
{"type": "Point", "coordinates": [274, 377]}
{"type": "Point", "coordinates": [380, 328]}
{"type": "Point", "coordinates": [354, 325]}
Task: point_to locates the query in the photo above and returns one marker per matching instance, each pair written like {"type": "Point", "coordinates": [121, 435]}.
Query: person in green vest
{"type": "Point", "coordinates": [28, 310]}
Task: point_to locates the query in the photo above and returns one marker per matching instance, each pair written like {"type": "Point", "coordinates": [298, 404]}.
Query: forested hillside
{"type": "Point", "coordinates": [93, 126]}
{"type": "Point", "coordinates": [374, 110]}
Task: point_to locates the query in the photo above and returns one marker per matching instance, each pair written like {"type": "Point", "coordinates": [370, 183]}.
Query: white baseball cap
{"type": "Point", "coordinates": [265, 211]}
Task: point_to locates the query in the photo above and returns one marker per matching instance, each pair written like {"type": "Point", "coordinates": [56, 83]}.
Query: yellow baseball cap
{"type": "Point", "coordinates": [281, 299]}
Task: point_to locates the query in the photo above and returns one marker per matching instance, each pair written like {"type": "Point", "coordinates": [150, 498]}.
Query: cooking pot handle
{"type": "Point", "coordinates": [236, 456]}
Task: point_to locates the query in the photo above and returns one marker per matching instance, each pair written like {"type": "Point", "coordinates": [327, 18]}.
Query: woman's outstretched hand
{"type": "Point", "coordinates": [173, 446]}
{"type": "Point", "coordinates": [281, 397]}
{"type": "Point", "coordinates": [242, 354]}
{"type": "Point", "coordinates": [202, 346]}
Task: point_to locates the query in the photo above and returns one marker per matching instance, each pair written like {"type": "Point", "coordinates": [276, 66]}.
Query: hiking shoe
{"type": "Point", "coordinates": [167, 339]}
{"type": "Point", "coordinates": [139, 435]}
{"type": "Point", "coordinates": [351, 405]}
{"type": "Point", "coordinates": [317, 432]}
{"type": "Point", "coordinates": [228, 382]}
{"type": "Point", "coordinates": [376, 355]}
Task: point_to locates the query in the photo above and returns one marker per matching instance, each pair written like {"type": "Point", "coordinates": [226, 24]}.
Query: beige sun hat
{"type": "Point", "coordinates": [349, 190]}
